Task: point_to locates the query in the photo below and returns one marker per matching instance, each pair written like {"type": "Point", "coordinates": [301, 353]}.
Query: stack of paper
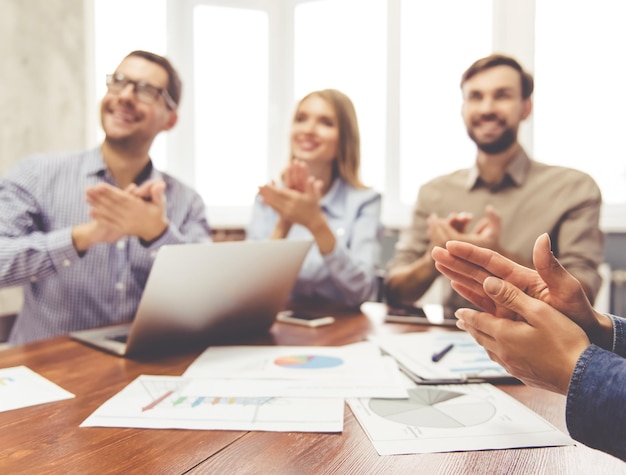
{"type": "Point", "coordinates": [442, 357]}
{"type": "Point", "coordinates": [273, 388]}
{"type": "Point", "coordinates": [303, 389]}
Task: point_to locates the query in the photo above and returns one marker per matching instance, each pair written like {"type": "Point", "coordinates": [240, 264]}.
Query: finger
{"type": "Point", "coordinates": [102, 198]}
{"type": "Point", "coordinates": [492, 214]}
{"type": "Point", "coordinates": [480, 325]}
{"type": "Point", "coordinates": [104, 218]}
{"type": "Point", "coordinates": [143, 190]}
{"type": "Point", "coordinates": [157, 193]}
{"type": "Point", "coordinates": [457, 268]}
{"type": "Point", "coordinates": [492, 262]}
{"type": "Point", "coordinates": [466, 282]}
{"type": "Point", "coordinates": [432, 218]}
{"type": "Point", "coordinates": [314, 188]}
{"type": "Point", "coordinates": [506, 294]}
{"type": "Point", "coordinates": [481, 300]}
{"type": "Point", "coordinates": [460, 221]}
{"type": "Point", "coordinates": [478, 298]}
{"type": "Point", "coordinates": [273, 197]}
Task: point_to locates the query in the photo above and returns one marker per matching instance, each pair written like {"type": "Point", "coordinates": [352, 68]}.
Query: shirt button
{"type": "Point", "coordinates": [119, 286]}
{"type": "Point", "coordinates": [66, 262]}
{"type": "Point", "coordinates": [153, 254]}
{"type": "Point", "coordinates": [121, 245]}
{"type": "Point", "coordinates": [33, 278]}
{"type": "Point", "coordinates": [341, 231]}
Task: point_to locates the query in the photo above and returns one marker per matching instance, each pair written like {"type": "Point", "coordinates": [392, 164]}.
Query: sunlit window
{"type": "Point", "coordinates": [332, 50]}
{"type": "Point", "coordinates": [580, 97]}
{"type": "Point", "coordinates": [116, 34]}
{"type": "Point", "coordinates": [230, 103]}
{"type": "Point", "coordinates": [439, 40]}
{"type": "Point", "coordinates": [246, 63]}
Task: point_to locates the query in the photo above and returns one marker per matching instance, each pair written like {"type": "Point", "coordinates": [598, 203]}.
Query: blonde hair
{"type": "Point", "coordinates": [348, 161]}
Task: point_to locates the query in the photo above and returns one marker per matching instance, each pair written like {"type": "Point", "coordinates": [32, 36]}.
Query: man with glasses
{"type": "Point", "coordinates": [79, 231]}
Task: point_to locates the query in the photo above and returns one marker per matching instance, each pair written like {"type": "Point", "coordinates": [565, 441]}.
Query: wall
{"type": "Point", "coordinates": [42, 77]}
{"type": "Point", "coordinates": [42, 83]}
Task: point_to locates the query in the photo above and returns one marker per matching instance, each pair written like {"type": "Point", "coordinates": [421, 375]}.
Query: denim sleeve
{"type": "Point", "coordinates": [619, 335]}
{"type": "Point", "coordinates": [596, 399]}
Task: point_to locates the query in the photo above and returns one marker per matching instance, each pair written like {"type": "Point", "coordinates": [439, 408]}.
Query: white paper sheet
{"type": "Point", "coordinates": [22, 387]}
{"type": "Point", "coordinates": [467, 361]}
{"type": "Point", "coordinates": [171, 402]}
{"type": "Point", "coordinates": [357, 370]}
{"type": "Point", "coordinates": [449, 418]}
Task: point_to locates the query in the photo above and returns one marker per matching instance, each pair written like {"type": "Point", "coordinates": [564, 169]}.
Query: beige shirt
{"type": "Point", "coordinates": [533, 198]}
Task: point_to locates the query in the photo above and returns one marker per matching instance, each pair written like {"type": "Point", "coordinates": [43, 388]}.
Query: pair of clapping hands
{"type": "Point", "coordinates": [486, 232]}
{"type": "Point", "coordinates": [137, 210]}
{"type": "Point", "coordinates": [536, 323]}
{"type": "Point", "coordinates": [298, 200]}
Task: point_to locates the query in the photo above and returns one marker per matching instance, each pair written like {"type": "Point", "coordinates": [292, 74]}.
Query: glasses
{"type": "Point", "coordinates": [145, 92]}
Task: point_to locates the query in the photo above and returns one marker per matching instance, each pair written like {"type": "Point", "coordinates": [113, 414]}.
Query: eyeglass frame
{"type": "Point", "coordinates": [160, 91]}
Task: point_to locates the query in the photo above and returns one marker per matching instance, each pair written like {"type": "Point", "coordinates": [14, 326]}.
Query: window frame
{"type": "Point", "coordinates": [513, 33]}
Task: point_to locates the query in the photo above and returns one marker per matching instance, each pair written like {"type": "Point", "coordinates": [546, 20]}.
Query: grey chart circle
{"type": "Point", "coordinates": [433, 407]}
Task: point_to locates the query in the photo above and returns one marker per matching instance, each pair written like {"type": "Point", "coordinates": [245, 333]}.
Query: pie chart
{"type": "Point", "coordinates": [308, 361]}
{"type": "Point", "coordinates": [432, 407]}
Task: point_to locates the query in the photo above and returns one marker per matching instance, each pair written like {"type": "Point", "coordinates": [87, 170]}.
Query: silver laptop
{"type": "Point", "coordinates": [201, 294]}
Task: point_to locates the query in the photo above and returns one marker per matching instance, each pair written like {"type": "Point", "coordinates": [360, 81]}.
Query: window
{"type": "Point", "coordinates": [321, 61]}
{"type": "Point", "coordinates": [116, 35]}
{"type": "Point", "coordinates": [245, 64]}
{"type": "Point", "coordinates": [580, 95]}
{"type": "Point", "coordinates": [230, 100]}
{"type": "Point", "coordinates": [433, 140]}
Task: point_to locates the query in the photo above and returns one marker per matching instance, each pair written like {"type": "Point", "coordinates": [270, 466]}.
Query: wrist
{"type": "Point", "coordinates": [154, 234]}
{"type": "Point", "coordinates": [281, 229]}
{"type": "Point", "coordinates": [81, 238]}
{"type": "Point", "coordinates": [602, 333]}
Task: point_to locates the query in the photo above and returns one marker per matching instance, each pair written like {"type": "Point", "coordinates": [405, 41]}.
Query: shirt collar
{"type": "Point", "coordinates": [515, 174]}
{"type": "Point", "coordinates": [95, 166]}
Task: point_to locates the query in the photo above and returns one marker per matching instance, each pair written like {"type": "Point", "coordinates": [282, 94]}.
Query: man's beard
{"type": "Point", "coordinates": [502, 143]}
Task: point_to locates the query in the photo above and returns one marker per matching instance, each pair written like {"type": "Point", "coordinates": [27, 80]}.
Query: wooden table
{"type": "Point", "coordinates": [47, 439]}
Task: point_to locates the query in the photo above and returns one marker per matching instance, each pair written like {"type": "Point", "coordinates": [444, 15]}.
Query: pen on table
{"type": "Point", "coordinates": [440, 354]}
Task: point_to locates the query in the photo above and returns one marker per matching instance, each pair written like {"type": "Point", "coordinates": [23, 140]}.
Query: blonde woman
{"type": "Point", "coordinates": [321, 197]}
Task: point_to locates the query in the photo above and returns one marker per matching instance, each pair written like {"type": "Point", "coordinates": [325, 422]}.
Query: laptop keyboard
{"type": "Point", "coordinates": [120, 338]}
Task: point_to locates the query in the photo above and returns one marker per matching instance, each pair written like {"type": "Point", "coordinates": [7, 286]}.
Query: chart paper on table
{"type": "Point", "coordinates": [450, 418]}
{"type": "Point", "coordinates": [356, 370]}
{"type": "Point", "coordinates": [466, 362]}
{"type": "Point", "coordinates": [22, 387]}
{"type": "Point", "coordinates": [172, 402]}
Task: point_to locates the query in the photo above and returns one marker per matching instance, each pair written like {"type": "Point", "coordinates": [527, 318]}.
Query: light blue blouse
{"type": "Point", "coordinates": [348, 274]}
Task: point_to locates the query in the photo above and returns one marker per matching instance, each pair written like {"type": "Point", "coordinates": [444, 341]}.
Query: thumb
{"type": "Point", "coordinates": [547, 266]}
{"type": "Point", "coordinates": [315, 187]}
{"type": "Point", "coordinates": [157, 193]}
{"type": "Point", "coordinates": [506, 295]}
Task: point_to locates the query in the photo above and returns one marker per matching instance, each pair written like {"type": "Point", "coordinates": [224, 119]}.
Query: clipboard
{"type": "Point", "coordinates": [465, 362]}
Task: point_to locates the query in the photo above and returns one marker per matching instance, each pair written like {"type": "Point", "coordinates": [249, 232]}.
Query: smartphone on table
{"type": "Point", "coordinates": [303, 318]}
{"type": "Point", "coordinates": [429, 314]}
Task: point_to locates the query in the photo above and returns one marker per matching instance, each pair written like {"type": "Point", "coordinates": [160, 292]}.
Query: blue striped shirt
{"type": "Point", "coordinates": [41, 199]}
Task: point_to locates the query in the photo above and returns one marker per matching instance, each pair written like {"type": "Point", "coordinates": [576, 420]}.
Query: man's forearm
{"type": "Point", "coordinates": [409, 282]}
